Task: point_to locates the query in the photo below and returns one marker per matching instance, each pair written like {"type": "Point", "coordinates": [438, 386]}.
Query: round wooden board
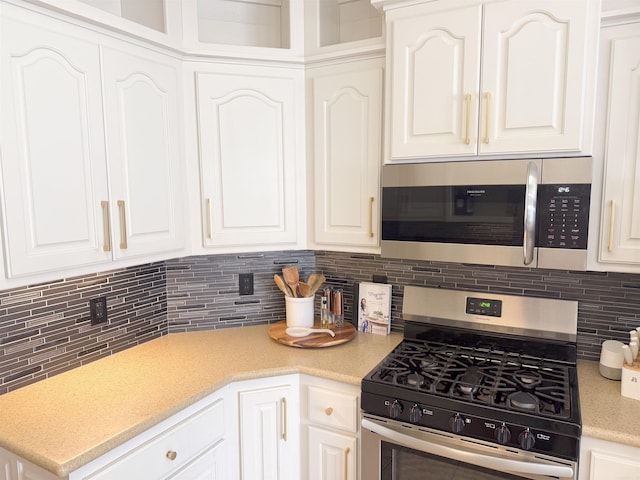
{"type": "Point", "coordinates": [313, 340]}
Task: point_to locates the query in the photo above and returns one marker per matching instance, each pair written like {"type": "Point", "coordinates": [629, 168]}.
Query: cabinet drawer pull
{"type": "Point", "coordinates": [346, 462]}
{"type": "Point", "coordinates": [106, 222]}
{"type": "Point", "coordinates": [468, 109]}
{"type": "Point", "coordinates": [328, 411]}
{"type": "Point", "coordinates": [123, 225]}
{"type": "Point", "coordinates": [611, 221]}
{"type": "Point", "coordinates": [370, 217]}
{"type": "Point", "coordinates": [284, 419]}
{"type": "Point", "coordinates": [171, 455]}
{"type": "Point", "coordinates": [486, 120]}
{"type": "Point", "coordinates": [209, 221]}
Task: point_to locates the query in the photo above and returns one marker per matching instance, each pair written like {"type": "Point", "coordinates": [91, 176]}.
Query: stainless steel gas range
{"type": "Point", "coordinates": [482, 386]}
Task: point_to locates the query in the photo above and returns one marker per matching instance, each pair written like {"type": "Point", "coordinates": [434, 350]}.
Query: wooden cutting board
{"type": "Point", "coordinates": [313, 340]}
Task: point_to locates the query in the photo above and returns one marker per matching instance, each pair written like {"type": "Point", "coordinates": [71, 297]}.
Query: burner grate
{"type": "Point", "coordinates": [480, 375]}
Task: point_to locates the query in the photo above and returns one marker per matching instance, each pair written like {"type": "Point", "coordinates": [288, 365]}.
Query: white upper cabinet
{"type": "Point", "coordinates": [144, 145]}
{"type": "Point", "coordinates": [501, 77]}
{"type": "Point", "coordinates": [347, 128]}
{"type": "Point", "coordinates": [620, 222]}
{"type": "Point", "coordinates": [91, 148]}
{"type": "Point", "coordinates": [249, 136]}
{"type": "Point", "coordinates": [54, 173]}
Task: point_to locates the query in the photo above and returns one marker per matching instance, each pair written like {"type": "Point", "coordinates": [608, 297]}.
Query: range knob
{"type": "Point", "coordinates": [415, 414]}
{"type": "Point", "coordinates": [502, 434]}
{"type": "Point", "coordinates": [526, 439]}
{"type": "Point", "coordinates": [395, 409]}
{"type": "Point", "coordinates": [456, 423]}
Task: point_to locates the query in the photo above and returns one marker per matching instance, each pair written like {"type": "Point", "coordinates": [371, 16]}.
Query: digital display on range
{"type": "Point", "coordinates": [484, 306]}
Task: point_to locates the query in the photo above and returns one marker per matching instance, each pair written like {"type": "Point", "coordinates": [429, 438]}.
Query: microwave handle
{"type": "Point", "coordinates": [517, 467]}
{"type": "Point", "coordinates": [530, 203]}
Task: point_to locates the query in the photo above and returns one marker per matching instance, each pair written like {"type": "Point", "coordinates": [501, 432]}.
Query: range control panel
{"type": "Point", "coordinates": [563, 215]}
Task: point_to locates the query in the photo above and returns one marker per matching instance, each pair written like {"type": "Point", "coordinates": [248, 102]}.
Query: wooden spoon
{"type": "Point", "coordinates": [281, 285]}
{"type": "Point", "coordinates": [291, 276]}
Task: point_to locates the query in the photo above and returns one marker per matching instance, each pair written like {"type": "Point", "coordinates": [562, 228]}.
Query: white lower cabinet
{"type": "Point", "coordinates": [331, 429]}
{"type": "Point", "coordinates": [269, 426]}
{"type": "Point", "coordinates": [603, 460]}
{"type": "Point", "coordinates": [190, 445]}
{"type": "Point", "coordinates": [287, 427]}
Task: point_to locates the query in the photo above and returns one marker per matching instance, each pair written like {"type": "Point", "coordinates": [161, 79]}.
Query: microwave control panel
{"type": "Point", "coordinates": [563, 215]}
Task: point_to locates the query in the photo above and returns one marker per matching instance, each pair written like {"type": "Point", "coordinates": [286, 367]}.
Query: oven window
{"type": "Point", "coordinates": [401, 463]}
{"type": "Point", "coordinates": [474, 214]}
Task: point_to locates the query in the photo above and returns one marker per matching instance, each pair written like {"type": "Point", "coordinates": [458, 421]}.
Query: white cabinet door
{"type": "Point", "coordinates": [534, 94]}
{"type": "Point", "coordinates": [332, 455]}
{"type": "Point", "coordinates": [248, 167]}
{"type": "Point", "coordinates": [533, 76]}
{"type": "Point", "coordinates": [53, 152]}
{"type": "Point", "coordinates": [435, 74]}
{"type": "Point", "coordinates": [144, 152]}
{"type": "Point", "coordinates": [604, 460]}
{"type": "Point", "coordinates": [620, 227]}
{"type": "Point", "coordinates": [268, 443]}
{"type": "Point", "coordinates": [347, 113]}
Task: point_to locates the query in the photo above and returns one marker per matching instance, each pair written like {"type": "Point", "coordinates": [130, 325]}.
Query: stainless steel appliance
{"type": "Point", "coordinates": [500, 212]}
{"type": "Point", "coordinates": [483, 386]}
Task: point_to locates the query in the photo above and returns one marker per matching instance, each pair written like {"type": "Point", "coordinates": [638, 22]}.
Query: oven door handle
{"type": "Point", "coordinates": [530, 205]}
{"type": "Point", "coordinates": [481, 460]}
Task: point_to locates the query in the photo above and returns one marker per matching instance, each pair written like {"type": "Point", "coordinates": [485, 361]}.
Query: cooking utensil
{"type": "Point", "coordinates": [281, 285]}
{"type": "Point", "coordinates": [633, 346]}
{"type": "Point", "coordinates": [291, 276]}
{"type": "Point", "coordinates": [628, 357]}
{"type": "Point", "coordinates": [315, 281]}
{"type": "Point", "coordinates": [305, 289]}
{"type": "Point", "coordinates": [304, 331]}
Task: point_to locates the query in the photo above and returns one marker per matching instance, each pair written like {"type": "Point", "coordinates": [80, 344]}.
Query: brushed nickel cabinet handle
{"type": "Point", "coordinates": [171, 455]}
{"type": "Point", "coordinates": [611, 221]}
{"type": "Point", "coordinates": [328, 411]}
{"type": "Point", "coordinates": [209, 220]}
{"type": "Point", "coordinates": [284, 419]}
{"type": "Point", "coordinates": [346, 462]}
{"type": "Point", "coordinates": [106, 222]}
{"type": "Point", "coordinates": [370, 217]}
{"type": "Point", "coordinates": [486, 120]}
{"type": "Point", "coordinates": [467, 140]}
{"type": "Point", "coordinates": [123, 225]}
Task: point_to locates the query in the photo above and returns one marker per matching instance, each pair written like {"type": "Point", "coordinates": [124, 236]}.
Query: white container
{"type": "Point", "coordinates": [611, 358]}
{"type": "Point", "coordinates": [630, 385]}
{"type": "Point", "coordinates": [299, 311]}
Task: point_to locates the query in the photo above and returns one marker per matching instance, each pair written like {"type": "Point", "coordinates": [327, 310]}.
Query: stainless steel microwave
{"type": "Point", "coordinates": [530, 213]}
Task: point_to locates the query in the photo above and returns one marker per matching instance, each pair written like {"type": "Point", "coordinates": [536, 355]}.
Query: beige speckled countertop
{"type": "Point", "coordinates": [606, 414]}
{"type": "Point", "coordinates": [68, 420]}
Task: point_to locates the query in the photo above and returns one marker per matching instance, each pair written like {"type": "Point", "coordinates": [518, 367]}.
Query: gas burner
{"type": "Point", "coordinates": [523, 401]}
{"type": "Point", "coordinates": [415, 379]}
{"type": "Point", "coordinates": [528, 379]}
{"type": "Point", "coordinates": [469, 382]}
{"type": "Point", "coordinates": [429, 364]}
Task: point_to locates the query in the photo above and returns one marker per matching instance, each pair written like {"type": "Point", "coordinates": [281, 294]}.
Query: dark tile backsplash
{"type": "Point", "coordinates": [45, 329]}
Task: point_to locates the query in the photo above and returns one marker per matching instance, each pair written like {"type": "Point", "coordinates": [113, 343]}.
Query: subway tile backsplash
{"type": "Point", "coordinates": [45, 329]}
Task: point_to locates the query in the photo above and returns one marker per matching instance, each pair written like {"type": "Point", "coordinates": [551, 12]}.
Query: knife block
{"type": "Point", "coordinates": [630, 381]}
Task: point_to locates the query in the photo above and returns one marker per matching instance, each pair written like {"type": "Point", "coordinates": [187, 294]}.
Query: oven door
{"type": "Point", "coordinates": [398, 451]}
